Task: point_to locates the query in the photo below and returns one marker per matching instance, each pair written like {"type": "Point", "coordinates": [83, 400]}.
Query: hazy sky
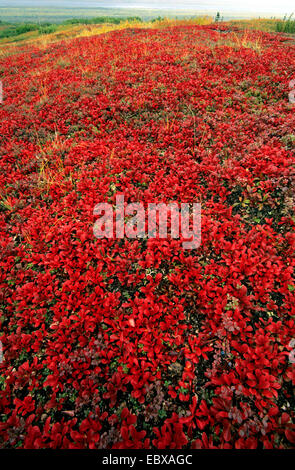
{"type": "Point", "coordinates": [273, 6]}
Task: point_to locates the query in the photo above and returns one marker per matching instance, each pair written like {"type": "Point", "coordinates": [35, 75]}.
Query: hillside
{"type": "Point", "coordinates": [139, 343]}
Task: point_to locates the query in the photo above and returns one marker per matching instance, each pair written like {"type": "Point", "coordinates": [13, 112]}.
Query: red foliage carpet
{"type": "Point", "coordinates": [121, 343]}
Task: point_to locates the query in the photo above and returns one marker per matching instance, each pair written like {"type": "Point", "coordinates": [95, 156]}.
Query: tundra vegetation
{"type": "Point", "coordinates": [138, 343]}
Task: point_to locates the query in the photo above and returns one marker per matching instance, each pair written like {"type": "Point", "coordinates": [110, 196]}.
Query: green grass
{"type": "Point", "coordinates": [287, 25]}
{"type": "Point", "coordinates": [10, 30]}
{"type": "Point", "coordinates": [15, 30]}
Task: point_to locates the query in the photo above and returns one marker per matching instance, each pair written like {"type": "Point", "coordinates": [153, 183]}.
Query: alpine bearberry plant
{"type": "Point", "coordinates": [138, 343]}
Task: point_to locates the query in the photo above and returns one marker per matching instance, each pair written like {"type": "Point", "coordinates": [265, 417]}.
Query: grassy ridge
{"type": "Point", "coordinates": [80, 26]}
{"type": "Point", "coordinates": [9, 30]}
{"type": "Point", "coordinates": [47, 32]}
{"type": "Point", "coordinates": [15, 32]}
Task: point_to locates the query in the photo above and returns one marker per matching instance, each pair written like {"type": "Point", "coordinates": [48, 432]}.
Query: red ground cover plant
{"type": "Point", "coordinates": [139, 343]}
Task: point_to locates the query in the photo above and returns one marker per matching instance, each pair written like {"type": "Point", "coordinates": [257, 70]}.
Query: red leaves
{"type": "Point", "coordinates": [290, 435]}
{"type": "Point", "coordinates": [25, 406]}
{"type": "Point", "coordinates": [170, 436]}
{"type": "Point", "coordinates": [51, 381]}
{"type": "Point", "coordinates": [194, 343]}
{"type": "Point", "coordinates": [132, 439]}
